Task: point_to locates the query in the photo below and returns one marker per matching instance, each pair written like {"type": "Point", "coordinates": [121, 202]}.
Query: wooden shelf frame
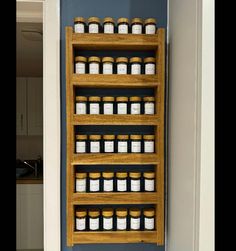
{"type": "Point", "coordinates": [157, 82]}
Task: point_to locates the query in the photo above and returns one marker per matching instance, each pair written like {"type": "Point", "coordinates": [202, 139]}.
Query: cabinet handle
{"type": "Point", "coordinates": [21, 121]}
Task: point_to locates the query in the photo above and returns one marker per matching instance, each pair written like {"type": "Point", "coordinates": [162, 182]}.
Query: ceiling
{"type": "Point", "coordinates": [29, 54]}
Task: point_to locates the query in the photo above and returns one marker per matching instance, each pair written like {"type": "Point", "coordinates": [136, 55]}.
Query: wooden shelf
{"type": "Point", "coordinates": [114, 159]}
{"type": "Point", "coordinates": [114, 81]}
{"type": "Point", "coordinates": [115, 237]}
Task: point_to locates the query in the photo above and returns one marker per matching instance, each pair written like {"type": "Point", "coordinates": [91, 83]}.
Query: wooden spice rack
{"type": "Point", "coordinates": [157, 82]}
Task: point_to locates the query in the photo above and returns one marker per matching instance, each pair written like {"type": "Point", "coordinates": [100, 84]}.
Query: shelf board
{"type": "Point", "coordinates": [115, 237]}
{"type": "Point", "coordinates": [115, 119]}
{"type": "Point", "coordinates": [114, 81]}
{"type": "Point", "coordinates": [115, 158]}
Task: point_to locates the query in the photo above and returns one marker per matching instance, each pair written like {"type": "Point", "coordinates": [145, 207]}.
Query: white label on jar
{"type": "Point", "coordinates": [150, 29]}
{"type": "Point", "coordinates": [94, 146]}
{"type": "Point", "coordinates": [123, 28]}
{"type": "Point", "coordinates": [107, 68]}
{"type": "Point", "coordinates": [94, 108]}
{"type": "Point", "coordinates": [93, 28]}
{"type": "Point", "coordinates": [135, 68]}
{"type": "Point", "coordinates": [122, 108]}
{"type": "Point", "coordinates": [80, 224]}
{"type": "Point", "coordinates": [135, 108]}
{"type": "Point", "coordinates": [121, 185]}
{"type": "Point", "coordinates": [80, 108]}
{"type": "Point", "coordinates": [108, 108]}
{"type": "Point", "coordinates": [137, 29]}
{"type": "Point", "coordinates": [80, 68]}
{"type": "Point", "coordinates": [149, 69]}
{"type": "Point", "coordinates": [93, 68]}
{"type": "Point", "coordinates": [80, 185]}
{"type": "Point", "coordinates": [122, 147]}
{"type": "Point", "coordinates": [79, 28]}
{"type": "Point", "coordinates": [148, 146]}
{"type": "Point", "coordinates": [107, 223]}
{"type": "Point", "coordinates": [109, 146]}
{"type": "Point", "coordinates": [108, 185]}
{"type": "Point", "coordinates": [148, 223]}
{"type": "Point", "coordinates": [135, 185]}
{"type": "Point", "coordinates": [149, 185]}
{"type": "Point", "coordinates": [108, 28]}
{"type": "Point", "coordinates": [80, 146]}
{"type": "Point", "coordinates": [149, 108]}
{"type": "Point", "coordinates": [93, 223]}
{"type": "Point", "coordinates": [135, 146]}
{"type": "Point", "coordinates": [94, 185]}
{"type": "Point", "coordinates": [121, 223]}
{"type": "Point", "coordinates": [135, 223]}
{"type": "Point", "coordinates": [121, 68]}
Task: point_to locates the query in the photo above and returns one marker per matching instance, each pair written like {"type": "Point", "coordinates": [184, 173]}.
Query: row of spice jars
{"type": "Point", "coordinates": [120, 65]}
{"type": "Point", "coordinates": [136, 26]}
{"type": "Point", "coordinates": [114, 105]}
{"type": "Point", "coordinates": [115, 182]}
{"type": "Point", "coordinates": [120, 219]}
{"type": "Point", "coordinates": [96, 143]}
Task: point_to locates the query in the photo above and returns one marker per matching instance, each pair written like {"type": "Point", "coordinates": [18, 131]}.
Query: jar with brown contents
{"type": "Point", "coordinates": [135, 105]}
{"type": "Point", "coordinates": [107, 67]}
{"type": "Point", "coordinates": [79, 25]}
{"type": "Point", "coordinates": [94, 219]}
{"type": "Point", "coordinates": [94, 105]}
{"type": "Point", "coordinates": [95, 143]}
{"type": "Point", "coordinates": [150, 26]}
{"type": "Point", "coordinates": [135, 181]}
{"type": "Point", "coordinates": [122, 65]}
{"type": "Point", "coordinates": [94, 25]}
{"type": "Point", "coordinates": [123, 25]}
{"type": "Point", "coordinates": [149, 219]}
{"type": "Point", "coordinates": [109, 142]}
{"type": "Point", "coordinates": [107, 214]}
{"type": "Point", "coordinates": [149, 143]}
{"type": "Point", "coordinates": [81, 105]}
{"type": "Point", "coordinates": [81, 143]}
{"type": "Point", "coordinates": [108, 181]}
{"type": "Point", "coordinates": [149, 65]}
{"type": "Point", "coordinates": [94, 182]}
{"type": "Point", "coordinates": [122, 141]}
{"type": "Point", "coordinates": [80, 65]}
{"type": "Point", "coordinates": [108, 105]}
{"type": "Point", "coordinates": [149, 181]}
{"type": "Point", "coordinates": [136, 143]}
{"type": "Point", "coordinates": [80, 221]}
{"type": "Point", "coordinates": [136, 25]}
{"type": "Point", "coordinates": [149, 105]}
{"type": "Point", "coordinates": [80, 182]}
{"type": "Point", "coordinates": [122, 105]}
{"type": "Point", "coordinates": [135, 214]}
{"type": "Point", "coordinates": [136, 63]}
{"type": "Point", "coordinates": [121, 181]}
{"type": "Point", "coordinates": [108, 25]}
{"type": "Point", "coordinates": [94, 65]}
{"type": "Point", "coordinates": [121, 218]}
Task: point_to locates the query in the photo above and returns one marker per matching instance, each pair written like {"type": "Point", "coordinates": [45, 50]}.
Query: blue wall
{"type": "Point", "coordinates": [100, 8]}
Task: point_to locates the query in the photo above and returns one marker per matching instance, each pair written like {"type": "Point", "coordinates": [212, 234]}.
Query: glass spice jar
{"type": "Point", "coordinates": [108, 178]}
{"type": "Point", "coordinates": [135, 63]}
{"type": "Point", "coordinates": [94, 65]}
{"type": "Point", "coordinates": [149, 105]}
{"type": "Point", "coordinates": [93, 24]}
{"type": "Point", "coordinates": [135, 105]}
{"type": "Point", "coordinates": [123, 25]}
{"type": "Point", "coordinates": [149, 65]}
{"type": "Point", "coordinates": [149, 181]}
{"type": "Point", "coordinates": [122, 105]}
{"type": "Point", "coordinates": [95, 143]}
{"type": "Point", "coordinates": [108, 25]}
{"type": "Point", "coordinates": [122, 141]}
{"type": "Point", "coordinates": [79, 25]}
{"type": "Point", "coordinates": [108, 105]}
{"type": "Point", "coordinates": [81, 105]}
{"type": "Point", "coordinates": [81, 140]}
{"type": "Point", "coordinates": [109, 143]}
{"type": "Point", "coordinates": [149, 219]}
{"type": "Point", "coordinates": [94, 104]}
{"type": "Point", "coordinates": [121, 218]}
{"type": "Point", "coordinates": [148, 143]}
{"type": "Point", "coordinates": [136, 25]}
{"type": "Point", "coordinates": [135, 181]}
{"type": "Point", "coordinates": [80, 65]}
{"type": "Point", "coordinates": [122, 65]}
{"type": "Point", "coordinates": [121, 181]}
{"type": "Point", "coordinates": [150, 26]}
{"type": "Point", "coordinates": [80, 183]}
{"type": "Point", "coordinates": [80, 221]}
{"type": "Point", "coordinates": [94, 219]}
{"type": "Point", "coordinates": [107, 65]}
{"type": "Point", "coordinates": [107, 214]}
{"type": "Point", "coordinates": [135, 143]}
{"type": "Point", "coordinates": [94, 182]}
{"type": "Point", "coordinates": [135, 214]}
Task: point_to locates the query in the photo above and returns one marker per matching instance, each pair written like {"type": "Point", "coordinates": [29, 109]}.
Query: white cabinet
{"type": "Point", "coordinates": [29, 216]}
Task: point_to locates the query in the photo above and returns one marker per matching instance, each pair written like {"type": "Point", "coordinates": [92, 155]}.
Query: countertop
{"type": "Point", "coordinates": [30, 179]}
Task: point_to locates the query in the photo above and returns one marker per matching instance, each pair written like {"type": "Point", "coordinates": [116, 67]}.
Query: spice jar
{"type": "Point", "coordinates": [108, 105]}
{"type": "Point", "coordinates": [150, 26]}
{"type": "Point", "coordinates": [135, 143]}
{"type": "Point", "coordinates": [121, 63]}
{"type": "Point", "coordinates": [149, 65]}
{"type": "Point", "coordinates": [80, 182]}
{"type": "Point", "coordinates": [108, 25]}
{"type": "Point", "coordinates": [135, 65]}
{"type": "Point", "coordinates": [93, 24]}
{"type": "Point", "coordinates": [109, 143]}
{"type": "Point", "coordinates": [149, 181]}
{"type": "Point", "coordinates": [123, 25]}
{"type": "Point", "coordinates": [107, 65]}
{"type": "Point", "coordinates": [122, 103]}
{"type": "Point", "coordinates": [148, 143]}
{"type": "Point", "coordinates": [94, 219]}
{"type": "Point", "coordinates": [108, 181]}
{"type": "Point", "coordinates": [122, 143]}
{"type": "Point", "coordinates": [80, 65]}
{"type": "Point", "coordinates": [149, 220]}
{"type": "Point", "coordinates": [135, 107]}
{"type": "Point", "coordinates": [107, 214]}
{"type": "Point", "coordinates": [149, 105]}
{"type": "Point", "coordinates": [80, 221]}
{"type": "Point", "coordinates": [95, 143]}
{"type": "Point", "coordinates": [135, 181]}
{"type": "Point", "coordinates": [94, 105]}
{"type": "Point", "coordinates": [94, 65]}
{"type": "Point", "coordinates": [121, 181]}
{"type": "Point", "coordinates": [135, 214]}
{"type": "Point", "coordinates": [79, 25]}
{"type": "Point", "coordinates": [81, 105]}
{"type": "Point", "coordinates": [121, 218]}
{"type": "Point", "coordinates": [81, 143]}
{"type": "Point", "coordinates": [94, 182]}
{"type": "Point", "coordinates": [136, 25]}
